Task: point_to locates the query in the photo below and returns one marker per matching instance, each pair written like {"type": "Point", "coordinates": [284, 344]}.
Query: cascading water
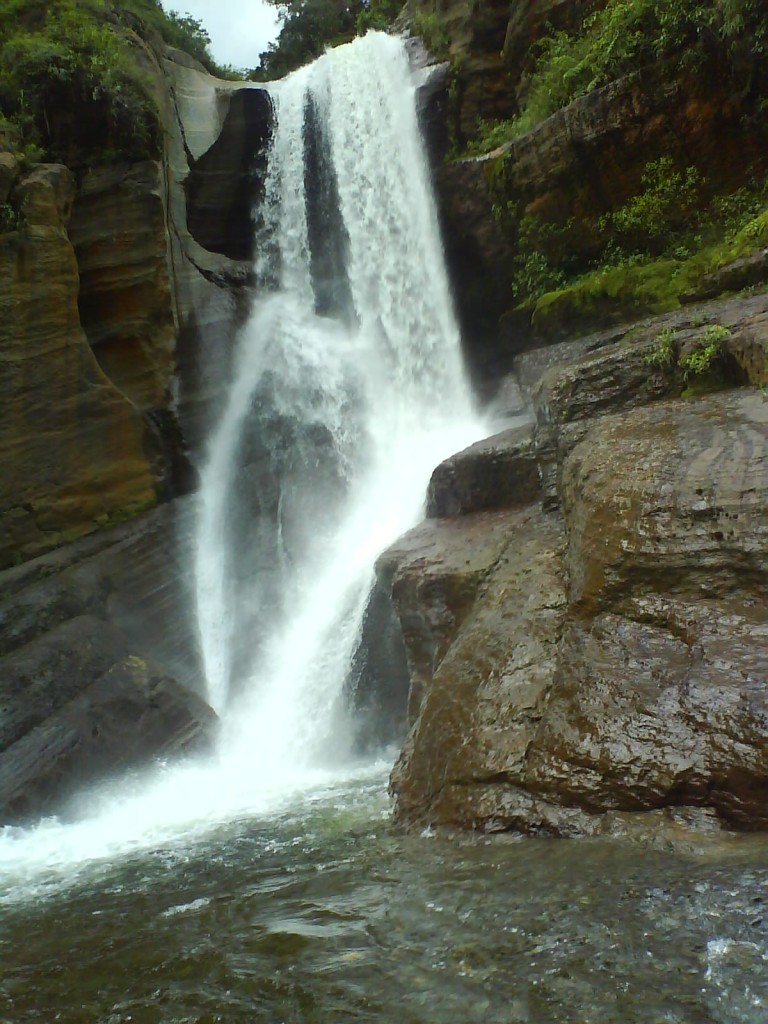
{"type": "Point", "coordinates": [347, 390]}
{"type": "Point", "coordinates": [349, 374]}
{"type": "Point", "coordinates": [260, 886]}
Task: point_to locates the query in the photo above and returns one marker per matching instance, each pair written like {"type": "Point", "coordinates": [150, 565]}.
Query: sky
{"type": "Point", "coordinates": [239, 29]}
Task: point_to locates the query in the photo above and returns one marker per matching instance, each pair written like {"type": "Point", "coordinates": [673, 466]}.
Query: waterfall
{"type": "Point", "coordinates": [348, 388]}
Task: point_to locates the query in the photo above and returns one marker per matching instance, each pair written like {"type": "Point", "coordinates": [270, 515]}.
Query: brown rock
{"type": "Point", "coordinates": [434, 573]}
{"type": "Point", "coordinates": [486, 695]}
{"type": "Point", "coordinates": [75, 442]}
{"type": "Point", "coordinates": [118, 230]}
{"type": "Point", "coordinates": [616, 663]}
{"type": "Point", "coordinates": [46, 195]}
{"type": "Point", "coordinates": [669, 706]}
{"type": "Point", "coordinates": [500, 471]}
{"type": "Point", "coordinates": [670, 498]}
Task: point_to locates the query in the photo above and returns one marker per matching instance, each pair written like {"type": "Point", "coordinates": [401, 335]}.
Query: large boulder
{"type": "Point", "coordinates": [486, 690]}
{"type": "Point", "coordinates": [572, 669]}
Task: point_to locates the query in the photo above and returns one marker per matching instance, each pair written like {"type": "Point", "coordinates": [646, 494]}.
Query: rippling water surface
{"type": "Point", "coordinates": [322, 914]}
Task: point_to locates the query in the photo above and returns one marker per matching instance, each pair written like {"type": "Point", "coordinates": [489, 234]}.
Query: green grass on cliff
{"type": "Point", "coordinates": [72, 84]}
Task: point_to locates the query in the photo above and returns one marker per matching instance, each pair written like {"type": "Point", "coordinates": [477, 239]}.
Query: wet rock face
{"type": "Point", "coordinates": [227, 180]}
{"type": "Point", "coordinates": [573, 668]}
{"type": "Point", "coordinates": [121, 721]}
{"type": "Point", "coordinates": [99, 668]}
{"type": "Point", "coordinates": [74, 440]}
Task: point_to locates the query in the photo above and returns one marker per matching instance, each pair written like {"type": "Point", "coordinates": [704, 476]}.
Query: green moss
{"type": "Point", "coordinates": [613, 294]}
{"type": "Point", "coordinates": [125, 514]}
{"type": "Point", "coordinates": [610, 296]}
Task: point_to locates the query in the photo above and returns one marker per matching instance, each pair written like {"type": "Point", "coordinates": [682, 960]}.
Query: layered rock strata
{"type": "Point", "coordinates": [110, 308]}
{"type": "Point", "coordinates": [609, 656]}
{"type": "Point", "coordinates": [98, 662]}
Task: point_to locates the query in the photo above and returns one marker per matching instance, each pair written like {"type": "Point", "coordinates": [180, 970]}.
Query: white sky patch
{"type": "Point", "coordinates": [239, 29]}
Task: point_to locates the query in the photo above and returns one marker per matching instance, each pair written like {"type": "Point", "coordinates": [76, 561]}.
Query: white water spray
{"type": "Point", "coordinates": [383, 380]}
{"type": "Point", "coordinates": [347, 390]}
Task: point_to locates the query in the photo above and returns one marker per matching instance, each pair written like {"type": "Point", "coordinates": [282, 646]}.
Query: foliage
{"type": "Point", "coordinates": [669, 218]}
{"type": "Point", "coordinates": [71, 80]}
{"type": "Point", "coordinates": [10, 217]}
{"type": "Point", "coordinates": [308, 26]}
{"type": "Point", "coordinates": [65, 72]}
{"type": "Point", "coordinates": [431, 29]}
{"type": "Point", "coordinates": [537, 267]}
{"type": "Point", "coordinates": [377, 14]}
{"type": "Point", "coordinates": [708, 350]}
{"type": "Point", "coordinates": [663, 356]}
{"type": "Point", "coordinates": [612, 294]}
{"type": "Point", "coordinates": [650, 221]}
{"type": "Point", "coordinates": [625, 36]}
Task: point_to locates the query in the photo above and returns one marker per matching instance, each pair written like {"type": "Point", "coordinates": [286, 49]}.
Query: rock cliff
{"type": "Point", "coordinates": [116, 300]}
{"type": "Point", "coordinates": [527, 218]}
{"type": "Point", "coordinates": [585, 612]}
{"type": "Point", "coordinates": [584, 608]}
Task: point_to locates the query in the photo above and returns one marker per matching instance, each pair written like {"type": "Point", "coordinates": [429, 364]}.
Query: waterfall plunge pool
{"type": "Point", "coordinates": [319, 914]}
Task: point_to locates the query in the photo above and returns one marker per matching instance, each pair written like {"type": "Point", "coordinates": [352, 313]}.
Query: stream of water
{"type": "Point", "coordinates": [264, 884]}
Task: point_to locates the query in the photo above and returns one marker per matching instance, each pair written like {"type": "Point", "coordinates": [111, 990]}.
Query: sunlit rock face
{"type": "Point", "coordinates": [608, 656]}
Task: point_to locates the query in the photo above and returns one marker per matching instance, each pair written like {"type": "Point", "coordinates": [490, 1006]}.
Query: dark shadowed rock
{"type": "Point", "coordinates": [225, 183]}
{"type": "Point", "coordinates": [126, 717]}
{"type": "Point", "coordinates": [71, 621]}
{"type": "Point", "coordinates": [378, 681]}
{"type": "Point", "coordinates": [500, 471]}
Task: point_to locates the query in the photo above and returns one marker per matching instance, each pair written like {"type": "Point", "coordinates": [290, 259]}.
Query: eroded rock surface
{"type": "Point", "coordinates": [74, 440]}
{"type": "Point", "coordinates": [574, 668]}
{"type": "Point", "coordinates": [97, 635]}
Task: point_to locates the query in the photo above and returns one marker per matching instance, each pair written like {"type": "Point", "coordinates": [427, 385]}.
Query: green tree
{"type": "Point", "coordinates": [309, 26]}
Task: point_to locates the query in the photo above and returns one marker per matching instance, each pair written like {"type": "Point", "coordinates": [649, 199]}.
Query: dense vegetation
{"type": "Point", "coordinates": [622, 37]}
{"type": "Point", "coordinates": [71, 78]}
{"type": "Point", "coordinates": [309, 26]}
{"type": "Point", "coordinates": [676, 221]}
